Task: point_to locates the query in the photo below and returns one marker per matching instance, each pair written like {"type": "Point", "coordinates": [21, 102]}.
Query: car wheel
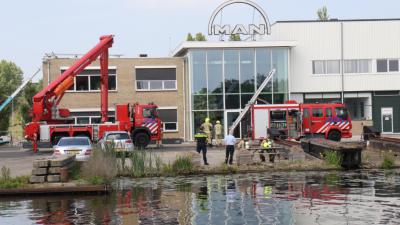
{"type": "Point", "coordinates": [334, 135]}
{"type": "Point", "coordinates": [141, 140]}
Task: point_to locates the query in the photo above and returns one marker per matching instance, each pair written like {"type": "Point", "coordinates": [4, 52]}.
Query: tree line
{"type": "Point", "coordinates": [11, 78]}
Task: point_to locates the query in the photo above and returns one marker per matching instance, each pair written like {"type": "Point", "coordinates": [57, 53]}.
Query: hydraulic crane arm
{"type": "Point", "coordinates": [48, 98]}
{"type": "Point", "coordinates": [252, 100]}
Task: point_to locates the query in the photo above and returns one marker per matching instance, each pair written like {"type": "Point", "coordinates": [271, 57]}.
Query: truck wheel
{"type": "Point", "coordinates": [141, 140]}
{"type": "Point", "coordinates": [334, 135]}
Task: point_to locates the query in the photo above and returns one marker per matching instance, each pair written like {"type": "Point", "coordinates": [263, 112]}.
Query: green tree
{"type": "Point", "coordinates": [189, 37]}
{"type": "Point", "coordinates": [323, 14]}
{"type": "Point", "coordinates": [25, 102]}
{"type": "Point", "coordinates": [234, 37]}
{"type": "Point", "coordinates": [10, 79]}
{"type": "Point", "coordinates": [200, 37]}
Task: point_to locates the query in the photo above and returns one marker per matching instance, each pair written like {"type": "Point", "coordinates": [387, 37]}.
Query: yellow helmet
{"type": "Point", "coordinates": [207, 120]}
{"type": "Point", "coordinates": [218, 122]}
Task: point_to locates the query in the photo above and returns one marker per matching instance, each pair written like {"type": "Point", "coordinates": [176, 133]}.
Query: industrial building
{"type": "Point", "coordinates": [354, 61]}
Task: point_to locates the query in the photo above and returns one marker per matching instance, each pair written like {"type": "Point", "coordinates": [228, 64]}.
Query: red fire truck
{"type": "Point", "coordinates": [49, 123]}
{"type": "Point", "coordinates": [294, 120]}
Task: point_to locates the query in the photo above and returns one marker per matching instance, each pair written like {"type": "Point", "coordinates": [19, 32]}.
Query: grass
{"type": "Point", "coordinates": [7, 182]}
{"type": "Point", "coordinates": [331, 157]}
{"type": "Point", "coordinates": [388, 160]}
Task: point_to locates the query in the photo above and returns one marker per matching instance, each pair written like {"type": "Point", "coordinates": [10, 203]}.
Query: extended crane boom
{"type": "Point", "coordinates": [251, 101]}
{"type": "Point", "coordinates": [46, 101]}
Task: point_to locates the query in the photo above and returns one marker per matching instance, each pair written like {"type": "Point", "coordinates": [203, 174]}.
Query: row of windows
{"type": "Point", "coordinates": [147, 79]}
{"type": "Point", "coordinates": [354, 66]}
{"type": "Point", "coordinates": [169, 117]}
{"type": "Point", "coordinates": [319, 112]}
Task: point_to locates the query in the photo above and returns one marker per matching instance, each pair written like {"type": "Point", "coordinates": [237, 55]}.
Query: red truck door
{"type": "Point", "coordinates": [317, 119]}
{"type": "Point", "coordinates": [306, 124]}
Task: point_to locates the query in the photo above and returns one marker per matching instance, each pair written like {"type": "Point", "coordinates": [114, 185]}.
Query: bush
{"type": "Point", "coordinates": [182, 165]}
{"type": "Point", "coordinates": [388, 161]}
{"type": "Point", "coordinates": [333, 158]}
{"type": "Point", "coordinates": [102, 166]}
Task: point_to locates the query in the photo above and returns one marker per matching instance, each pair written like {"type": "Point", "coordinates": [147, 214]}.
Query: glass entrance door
{"type": "Point", "coordinates": [387, 120]}
{"type": "Point", "coordinates": [230, 117]}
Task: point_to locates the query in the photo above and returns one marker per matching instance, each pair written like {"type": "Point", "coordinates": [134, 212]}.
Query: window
{"type": "Point", "coordinates": [155, 79]}
{"type": "Point", "coordinates": [149, 113]}
{"type": "Point", "coordinates": [358, 66]}
{"type": "Point", "coordinates": [328, 112]}
{"type": "Point", "coordinates": [393, 65]}
{"type": "Point", "coordinates": [169, 118]}
{"type": "Point", "coordinates": [82, 120]}
{"type": "Point", "coordinates": [387, 65]}
{"type": "Point", "coordinates": [306, 113]}
{"type": "Point", "coordinates": [317, 112]}
{"type": "Point", "coordinates": [89, 81]}
{"type": "Point", "coordinates": [326, 66]}
{"type": "Point", "coordinates": [342, 113]}
{"type": "Point", "coordinates": [90, 117]}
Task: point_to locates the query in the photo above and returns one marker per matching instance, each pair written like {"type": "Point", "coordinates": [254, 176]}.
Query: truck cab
{"type": "Point", "coordinates": [147, 124]}
{"type": "Point", "coordinates": [332, 120]}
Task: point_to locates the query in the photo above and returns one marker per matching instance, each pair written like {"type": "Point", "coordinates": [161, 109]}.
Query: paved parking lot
{"type": "Point", "coordinates": [18, 160]}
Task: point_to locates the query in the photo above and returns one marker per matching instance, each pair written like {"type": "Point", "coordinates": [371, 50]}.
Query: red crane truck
{"type": "Point", "coordinates": [293, 120]}
{"type": "Point", "coordinates": [50, 123]}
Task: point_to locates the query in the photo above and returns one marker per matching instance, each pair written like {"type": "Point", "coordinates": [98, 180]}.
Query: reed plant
{"type": "Point", "coordinates": [144, 163]}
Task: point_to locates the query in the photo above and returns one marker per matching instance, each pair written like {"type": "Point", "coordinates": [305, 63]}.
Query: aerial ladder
{"type": "Point", "coordinates": [17, 91]}
{"type": "Point", "coordinates": [45, 102]}
{"type": "Point", "coordinates": [251, 101]}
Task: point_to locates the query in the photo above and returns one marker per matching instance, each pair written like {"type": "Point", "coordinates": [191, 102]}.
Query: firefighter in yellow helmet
{"type": "Point", "coordinates": [218, 133]}
{"type": "Point", "coordinates": [206, 127]}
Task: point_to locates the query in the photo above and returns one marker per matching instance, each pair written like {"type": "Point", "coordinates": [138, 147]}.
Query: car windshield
{"type": "Point", "coordinates": [342, 113]}
{"type": "Point", "coordinates": [73, 141]}
{"type": "Point", "coordinates": [118, 136]}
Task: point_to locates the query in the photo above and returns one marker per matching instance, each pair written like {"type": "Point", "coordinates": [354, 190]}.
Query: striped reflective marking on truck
{"type": "Point", "coordinates": [341, 124]}
{"type": "Point", "coordinates": [151, 124]}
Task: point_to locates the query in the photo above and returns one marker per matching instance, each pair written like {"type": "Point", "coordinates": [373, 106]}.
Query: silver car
{"type": "Point", "coordinates": [81, 147]}
{"type": "Point", "coordinates": [120, 140]}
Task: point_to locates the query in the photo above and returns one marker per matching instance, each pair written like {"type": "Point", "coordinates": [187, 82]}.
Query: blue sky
{"type": "Point", "coordinates": [32, 28]}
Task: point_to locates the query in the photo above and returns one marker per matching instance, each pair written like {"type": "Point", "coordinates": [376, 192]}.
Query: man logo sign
{"type": "Point", "coordinates": [251, 29]}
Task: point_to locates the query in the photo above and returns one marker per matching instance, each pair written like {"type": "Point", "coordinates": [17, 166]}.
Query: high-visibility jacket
{"type": "Point", "coordinates": [218, 129]}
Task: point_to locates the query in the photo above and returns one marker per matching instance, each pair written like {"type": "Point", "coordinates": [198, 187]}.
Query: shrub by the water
{"type": "Point", "coordinates": [332, 158]}
{"type": "Point", "coordinates": [101, 166]}
{"type": "Point", "coordinates": [388, 160]}
{"type": "Point", "coordinates": [182, 165]}
{"type": "Point", "coordinates": [144, 163]}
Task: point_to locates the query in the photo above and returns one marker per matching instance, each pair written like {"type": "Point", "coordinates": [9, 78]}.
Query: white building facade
{"type": "Point", "coordinates": [354, 61]}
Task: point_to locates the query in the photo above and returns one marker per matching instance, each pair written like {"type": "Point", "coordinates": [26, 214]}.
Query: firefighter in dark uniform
{"type": "Point", "coordinates": [201, 139]}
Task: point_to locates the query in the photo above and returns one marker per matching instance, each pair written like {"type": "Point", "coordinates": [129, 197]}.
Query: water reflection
{"type": "Point", "coordinates": [360, 197]}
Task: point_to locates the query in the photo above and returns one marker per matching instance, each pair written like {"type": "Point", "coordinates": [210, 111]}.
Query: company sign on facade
{"type": "Point", "coordinates": [240, 29]}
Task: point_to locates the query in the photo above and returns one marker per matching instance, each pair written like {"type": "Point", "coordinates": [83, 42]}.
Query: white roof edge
{"type": "Point", "coordinates": [229, 44]}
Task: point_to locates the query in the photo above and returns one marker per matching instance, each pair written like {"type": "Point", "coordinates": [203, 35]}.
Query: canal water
{"type": "Point", "coordinates": [348, 197]}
